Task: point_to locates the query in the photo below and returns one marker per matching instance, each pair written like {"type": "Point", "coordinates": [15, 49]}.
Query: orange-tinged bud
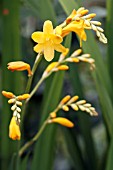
{"type": "Point", "coordinates": [51, 66]}
{"type": "Point", "coordinates": [19, 66]}
{"type": "Point", "coordinates": [65, 108]}
{"type": "Point", "coordinates": [73, 99]}
{"type": "Point", "coordinates": [72, 15]}
{"type": "Point", "coordinates": [63, 67]}
{"type": "Point", "coordinates": [65, 99]}
{"type": "Point", "coordinates": [14, 130]}
{"type": "Point", "coordinates": [53, 114]}
{"type": "Point", "coordinates": [23, 97]}
{"type": "Point", "coordinates": [84, 12]}
{"type": "Point", "coordinates": [62, 121]}
{"type": "Point", "coordinates": [8, 94]}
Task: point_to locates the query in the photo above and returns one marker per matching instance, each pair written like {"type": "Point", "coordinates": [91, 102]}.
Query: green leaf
{"type": "Point", "coordinates": [10, 81]}
{"type": "Point", "coordinates": [43, 9]}
{"type": "Point", "coordinates": [109, 26]}
{"type": "Point", "coordinates": [109, 164]}
{"type": "Point", "coordinates": [68, 5]}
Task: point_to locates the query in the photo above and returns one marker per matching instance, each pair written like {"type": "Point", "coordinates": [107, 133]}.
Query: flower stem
{"type": "Point", "coordinates": [35, 89]}
{"type": "Point", "coordinates": [35, 138]}
{"type": "Point", "coordinates": [38, 58]}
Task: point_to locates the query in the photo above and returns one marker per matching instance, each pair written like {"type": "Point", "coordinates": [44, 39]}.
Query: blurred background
{"type": "Point", "coordinates": [89, 145]}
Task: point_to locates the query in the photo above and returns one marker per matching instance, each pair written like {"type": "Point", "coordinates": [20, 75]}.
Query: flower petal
{"type": "Point", "coordinates": [57, 39]}
{"type": "Point", "coordinates": [38, 48]}
{"type": "Point", "coordinates": [59, 48]}
{"type": "Point", "coordinates": [48, 27]}
{"type": "Point", "coordinates": [38, 37]}
{"type": "Point", "coordinates": [48, 52]}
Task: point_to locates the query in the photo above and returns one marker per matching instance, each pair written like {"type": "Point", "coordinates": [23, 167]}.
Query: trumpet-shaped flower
{"type": "Point", "coordinates": [48, 41]}
{"type": "Point", "coordinates": [19, 66]}
{"type": "Point", "coordinates": [77, 27]}
{"type": "Point", "coordinates": [14, 130]}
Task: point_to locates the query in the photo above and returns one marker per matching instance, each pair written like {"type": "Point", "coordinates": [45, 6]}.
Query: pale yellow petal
{"type": "Point", "coordinates": [48, 27]}
{"type": "Point", "coordinates": [38, 37]}
{"type": "Point", "coordinates": [49, 52]}
{"type": "Point", "coordinates": [59, 48]}
{"type": "Point", "coordinates": [57, 39]}
{"type": "Point", "coordinates": [38, 48]}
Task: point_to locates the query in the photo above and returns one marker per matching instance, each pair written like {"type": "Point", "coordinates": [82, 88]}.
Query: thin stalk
{"type": "Point", "coordinates": [38, 58]}
{"type": "Point", "coordinates": [35, 138]}
{"type": "Point", "coordinates": [35, 89]}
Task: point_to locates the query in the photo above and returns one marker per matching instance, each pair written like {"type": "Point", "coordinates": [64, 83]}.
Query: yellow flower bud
{"type": "Point", "coordinates": [14, 130]}
{"type": "Point", "coordinates": [74, 107]}
{"type": "Point", "coordinates": [23, 97]}
{"type": "Point", "coordinates": [84, 12]}
{"type": "Point", "coordinates": [51, 66]}
{"type": "Point", "coordinates": [76, 53]}
{"type": "Point", "coordinates": [19, 66]}
{"type": "Point", "coordinates": [65, 108]}
{"type": "Point", "coordinates": [65, 99]}
{"type": "Point", "coordinates": [8, 94]}
{"type": "Point", "coordinates": [63, 67]}
{"type": "Point", "coordinates": [53, 114]}
{"type": "Point", "coordinates": [62, 121]}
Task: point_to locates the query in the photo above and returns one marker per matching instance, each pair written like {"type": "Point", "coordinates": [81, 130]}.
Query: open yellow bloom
{"type": "Point", "coordinates": [48, 41]}
{"type": "Point", "coordinates": [14, 130]}
{"type": "Point", "coordinates": [19, 66]}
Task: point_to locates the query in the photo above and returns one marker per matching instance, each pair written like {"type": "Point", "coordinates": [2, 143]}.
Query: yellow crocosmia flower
{"type": "Point", "coordinates": [8, 94]}
{"type": "Point", "coordinates": [19, 66]}
{"type": "Point", "coordinates": [23, 97]}
{"type": "Point", "coordinates": [48, 41]}
{"type": "Point", "coordinates": [77, 27]}
{"type": "Point", "coordinates": [14, 130]}
{"type": "Point", "coordinates": [62, 121]}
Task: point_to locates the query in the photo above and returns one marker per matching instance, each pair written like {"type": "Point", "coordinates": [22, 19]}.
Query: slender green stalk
{"type": "Point", "coordinates": [35, 88]}
{"type": "Point", "coordinates": [35, 138]}
{"type": "Point", "coordinates": [38, 58]}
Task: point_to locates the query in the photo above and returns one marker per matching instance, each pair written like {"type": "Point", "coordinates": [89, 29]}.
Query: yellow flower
{"type": "Point", "coordinates": [19, 66]}
{"type": "Point", "coordinates": [77, 27]}
{"type": "Point", "coordinates": [48, 41]}
{"type": "Point", "coordinates": [14, 130]}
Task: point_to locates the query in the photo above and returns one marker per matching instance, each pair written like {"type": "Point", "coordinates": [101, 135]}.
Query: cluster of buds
{"type": "Point", "coordinates": [76, 105]}
{"type": "Point", "coordinates": [65, 105]}
{"type": "Point", "coordinates": [73, 58]}
{"type": "Point", "coordinates": [82, 14]}
{"type": "Point", "coordinates": [94, 25]}
{"type": "Point", "coordinates": [14, 130]}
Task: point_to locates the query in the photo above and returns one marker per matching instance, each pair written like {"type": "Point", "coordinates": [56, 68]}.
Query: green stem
{"type": "Point", "coordinates": [35, 138]}
{"type": "Point", "coordinates": [35, 89]}
{"type": "Point", "coordinates": [38, 58]}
